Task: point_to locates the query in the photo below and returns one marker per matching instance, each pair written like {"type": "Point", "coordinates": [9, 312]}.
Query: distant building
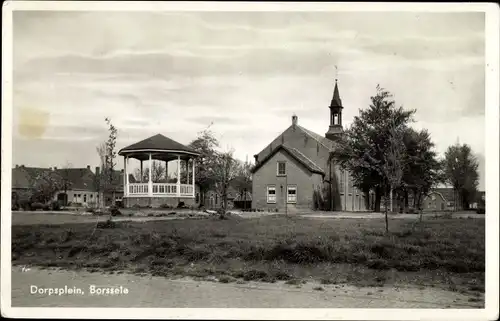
{"type": "Point", "coordinates": [296, 170]}
{"type": "Point", "coordinates": [78, 183]}
{"type": "Point", "coordinates": [446, 198]}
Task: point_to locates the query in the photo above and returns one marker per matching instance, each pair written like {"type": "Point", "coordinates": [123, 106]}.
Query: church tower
{"type": "Point", "coordinates": [335, 128]}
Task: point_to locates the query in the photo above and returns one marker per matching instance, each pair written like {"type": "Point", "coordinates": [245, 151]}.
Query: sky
{"type": "Point", "coordinates": [246, 73]}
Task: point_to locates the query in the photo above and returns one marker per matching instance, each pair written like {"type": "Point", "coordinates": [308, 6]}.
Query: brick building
{"type": "Point", "coordinates": [297, 169]}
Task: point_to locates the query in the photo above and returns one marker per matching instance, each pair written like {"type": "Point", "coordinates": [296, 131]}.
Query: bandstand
{"type": "Point", "coordinates": [156, 194]}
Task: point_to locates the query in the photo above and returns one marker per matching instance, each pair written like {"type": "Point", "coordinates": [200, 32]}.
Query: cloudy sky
{"type": "Point", "coordinates": [176, 73]}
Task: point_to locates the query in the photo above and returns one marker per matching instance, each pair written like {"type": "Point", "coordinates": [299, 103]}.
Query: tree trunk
{"type": "Point", "coordinates": [406, 201]}
{"type": "Point", "coordinates": [386, 203]}
{"type": "Point", "coordinates": [378, 198]}
{"type": "Point", "coordinates": [367, 199]}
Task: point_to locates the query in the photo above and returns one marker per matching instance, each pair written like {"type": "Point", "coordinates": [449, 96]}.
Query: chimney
{"type": "Point", "coordinates": [97, 170]}
{"type": "Point", "coordinates": [22, 166]}
{"type": "Point", "coordinates": [256, 158]}
{"type": "Point", "coordinates": [88, 166]}
{"type": "Point", "coordinates": [121, 170]}
{"type": "Point", "coordinates": [17, 166]}
{"type": "Point", "coordinates": [55, 168]}
{"type": "Point", "coordinates": [294, 120]}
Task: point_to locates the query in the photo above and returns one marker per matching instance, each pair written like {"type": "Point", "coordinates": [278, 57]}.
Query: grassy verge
{"type": "Point", "coordinates": [436, 252]}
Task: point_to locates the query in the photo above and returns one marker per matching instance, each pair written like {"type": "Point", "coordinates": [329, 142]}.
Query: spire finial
{"type": "Point", "coordinates": [336, 73]}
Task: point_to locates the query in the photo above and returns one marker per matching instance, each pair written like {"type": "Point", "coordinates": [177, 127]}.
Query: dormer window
{"type": "Point", "coordinates": [281, 171]}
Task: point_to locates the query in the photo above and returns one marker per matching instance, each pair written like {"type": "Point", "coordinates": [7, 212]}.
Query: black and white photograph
{"type": "Point", "coordinates": [250, 160]}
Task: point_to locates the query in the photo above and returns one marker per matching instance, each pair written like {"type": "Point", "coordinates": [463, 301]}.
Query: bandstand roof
{"type": "Point", "coordinates": [162, 148]}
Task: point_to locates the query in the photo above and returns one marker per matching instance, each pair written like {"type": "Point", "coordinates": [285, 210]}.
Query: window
{"type": "Point", "coordinates": [271, 194]}
{"type": "Point", "coordinates": [79, 195]}
{"type": "Point", "coordinates": [291, 194]}
{"type": "Point", "coordinates": [91, 196]}
{"type": "Point", "coordinates": [281, 168]}
{"type": "Point", "coordinates": [85, 198]}
{"type": "Point", "coordinates": [216, 199]}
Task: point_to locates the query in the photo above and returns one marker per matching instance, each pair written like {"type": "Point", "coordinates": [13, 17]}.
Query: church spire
{"type": "Point", "coordinates": [336, 101]}
{"type": "Point", "coordinates": [335, 107]}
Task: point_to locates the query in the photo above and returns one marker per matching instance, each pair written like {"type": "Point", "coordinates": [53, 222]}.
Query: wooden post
{"type": "Point", "coordinates": [150, 180]}
{"type": "Point", "coordinates": [166, 171]}
{"type": "Point", "coordinates": [125, 176]}
{"type": "Point", "coordinates": [142, 176]}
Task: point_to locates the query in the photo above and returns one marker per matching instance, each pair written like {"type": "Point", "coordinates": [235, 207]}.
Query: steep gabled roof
{"type": "Point", "coordinates": [157, 143]}
{"type": "Point", "coordinates": [78, 178]}
{"type": "Point", "coordinates": [296, 154]}
{"type": "Point", "coordinates": [328, 144]}
{"type": "Point", "coordinates": [22, 177]}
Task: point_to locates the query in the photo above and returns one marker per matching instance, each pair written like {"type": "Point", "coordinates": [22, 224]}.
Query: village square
{"type": "Point", "coordinates": [248, 160]}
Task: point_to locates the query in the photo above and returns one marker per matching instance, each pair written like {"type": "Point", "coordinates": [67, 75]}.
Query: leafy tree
{"type": "Point", "coordinates": [206, 145]}
{"type": "Point", "coordinates": [243, 179]}
{"type": "Point", "coordinates": [224, 171]}
{"type": "Point", "coordinates": [422, 170]}
{"type": "Point", "coordinates": [365, 147]}
{"type": "Point", "coordinates": [460, 168]}
{"type": "Point", "coordinates": [44, 185]}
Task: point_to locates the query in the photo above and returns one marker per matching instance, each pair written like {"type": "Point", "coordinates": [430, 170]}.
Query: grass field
{"type": "Point", "coordinates": [437, 252]}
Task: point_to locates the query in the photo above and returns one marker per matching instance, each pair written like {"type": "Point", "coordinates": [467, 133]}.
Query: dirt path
{"type": "Point", "coordinates": [145, 291]}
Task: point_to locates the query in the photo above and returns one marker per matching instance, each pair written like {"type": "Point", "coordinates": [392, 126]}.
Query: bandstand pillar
{"type": "Point", "coordinates": [150, 181]}
{"type": "Point", "coordinates": [178, 176]}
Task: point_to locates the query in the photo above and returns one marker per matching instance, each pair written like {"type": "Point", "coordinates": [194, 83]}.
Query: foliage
{"type": "Point", "coordinates": [242, 181]}
{"type": "Point", "coordinates": [44, 185]}
{"type": "Point", "coordinates": [224, 171]}
{"type": "Point", "coordinates": [368, 149]}
{"type": "Point", "coordinates": [461, 171]}
{"type": "Point", "coordinates": [105, 181]}
{"type": "Point", "coordinates": [422, 170]}
{"type": "Point", "coordinates": [206, 145]}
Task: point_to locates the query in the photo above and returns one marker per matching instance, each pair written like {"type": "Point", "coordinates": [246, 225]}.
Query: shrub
{"type": "Point", "coordinates": [36, 206]}
{"type": "Point", "coordinates": [114, 211]}
{"type": "Point", "coordinates": [181, 204]}
{"type": "Point", "coordinates": [107, 224]}
{"type": "Point", "coordinates": [481, 210]}
{"type": "Point", "coordinates": [55, 206]}
{"type": "Point", "coordinates": [447, 215]}
{"type": "Point", "coordinates": [165, 206]}
{"type": "Point", "coordinates": [411, 211]}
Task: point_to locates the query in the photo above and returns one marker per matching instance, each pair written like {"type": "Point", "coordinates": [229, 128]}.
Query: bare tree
{"type": "Point", "coordinates": [107, 154]}
{"type": "Point", "coordinates": [66, 180]}
{"type": "Point", "coordinates": [100, 182]}
{"type": "Point", "coordinates": [224, 170]}
{"type": "Point", "coordinates": [243, 180]}
{"type": "Point", "coordinates": [158, 172]}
